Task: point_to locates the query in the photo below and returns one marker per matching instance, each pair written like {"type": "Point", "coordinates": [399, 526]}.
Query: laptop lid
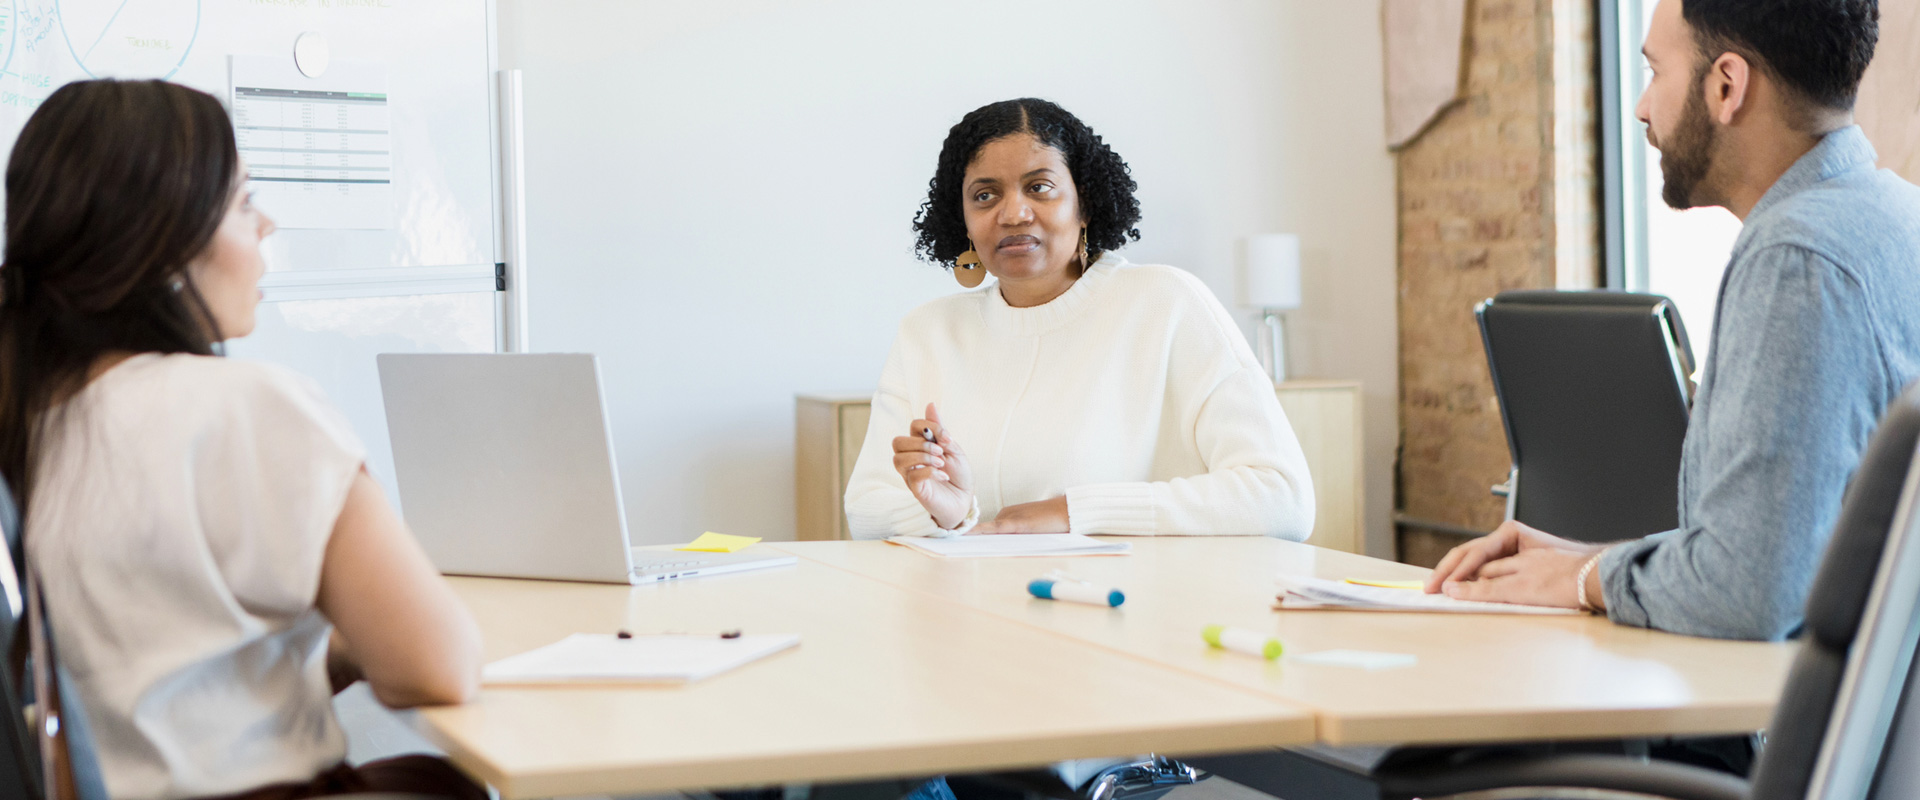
{"type": "Point", "coordinates": [505, 464]}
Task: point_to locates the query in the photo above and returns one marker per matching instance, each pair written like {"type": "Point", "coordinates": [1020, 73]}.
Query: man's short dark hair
{"type": "Point", "coordinates": [1818, 49]}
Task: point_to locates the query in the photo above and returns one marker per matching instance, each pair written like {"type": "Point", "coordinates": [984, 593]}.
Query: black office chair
{"type": "Point", "coordinates": [1594, 390]}
{"type": "Point", "coordinates": [32, 725]}
{"type": "Point", "coordinates": [1147, 779]}
{"type": "Point", "coordinates": [1848, 724]}
{"type": "Point", "coordinates": [19, 751]}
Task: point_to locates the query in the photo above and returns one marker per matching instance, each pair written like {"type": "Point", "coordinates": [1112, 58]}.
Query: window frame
{"type": "Point", "coordinates": [1623, 154]}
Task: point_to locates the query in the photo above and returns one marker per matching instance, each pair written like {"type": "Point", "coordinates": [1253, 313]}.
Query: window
{"type": "Point", "coordinates": [1650, 247]}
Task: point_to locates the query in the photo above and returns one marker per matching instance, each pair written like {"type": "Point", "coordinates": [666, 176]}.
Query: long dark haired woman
{"type": "Point", "coordinates": [207, 539]}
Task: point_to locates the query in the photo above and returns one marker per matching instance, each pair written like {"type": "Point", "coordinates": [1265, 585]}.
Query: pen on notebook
{"type": "Point", "coordinates": [733, 633]}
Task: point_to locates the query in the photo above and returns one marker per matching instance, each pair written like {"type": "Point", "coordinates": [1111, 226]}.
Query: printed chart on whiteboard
{"type": "Point", "coordinates": [319, 152]}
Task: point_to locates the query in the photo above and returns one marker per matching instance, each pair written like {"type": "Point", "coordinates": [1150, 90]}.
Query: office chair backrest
{"type": "Point", "coordinates": [21, 745]}
{"type": "Point", "coordinates": [19, 753]}
{"type": "Point", "coordinates": [1898, 776]}
{"type": "Point", "coordinates": [1594, 394]}
{"type": "Point", "coordinates": [1829, 732]}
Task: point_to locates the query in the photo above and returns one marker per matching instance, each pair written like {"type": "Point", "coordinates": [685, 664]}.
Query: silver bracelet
{"type": "Point", "coordinates": [960, 529]}
{"type": "Point", "coordinates": [1580, 582]}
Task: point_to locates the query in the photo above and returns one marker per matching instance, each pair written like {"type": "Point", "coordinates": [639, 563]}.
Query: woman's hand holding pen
{"type": "Point", "coordinates": [935, 469]}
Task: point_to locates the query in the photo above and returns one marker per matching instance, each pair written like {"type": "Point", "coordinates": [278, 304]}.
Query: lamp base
{"type": "Point", "coordinates": [1273, 346]}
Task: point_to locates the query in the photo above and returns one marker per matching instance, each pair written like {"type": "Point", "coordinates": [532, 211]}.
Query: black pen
{"type": "Point", "coordinates": [732, 633]}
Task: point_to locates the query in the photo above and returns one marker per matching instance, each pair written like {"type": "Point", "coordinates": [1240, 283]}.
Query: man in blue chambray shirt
{"type": "Point", "coordinates": [1818, 326]}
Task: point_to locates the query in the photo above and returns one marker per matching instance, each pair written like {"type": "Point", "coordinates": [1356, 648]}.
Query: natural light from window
{"type": "Point", "coordinates": [1686, 251]}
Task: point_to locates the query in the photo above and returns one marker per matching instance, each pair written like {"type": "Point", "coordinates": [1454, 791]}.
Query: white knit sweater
{"type": "Point", "coordinates": [1133, 394]}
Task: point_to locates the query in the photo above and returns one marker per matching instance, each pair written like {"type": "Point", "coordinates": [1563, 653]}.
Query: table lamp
{"type": "Point", "coordinates": [1272, 284]}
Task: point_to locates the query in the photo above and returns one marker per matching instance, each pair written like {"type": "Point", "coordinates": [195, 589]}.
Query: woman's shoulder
{"type": "Point", "coordinates": [1185, 304]}
{"type": "Point", "coordinates": [1186, 299]}
{"type": "Point", "coordinates": [202, 378]}
{"type": "Point", "coordinates": [1161, 280]}
{"type": "Point", "coordinates": [213, 390]}
{"type": "Point", "coordinates": [941, 312]}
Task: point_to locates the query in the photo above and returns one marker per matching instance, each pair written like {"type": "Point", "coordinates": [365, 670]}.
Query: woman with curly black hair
{"type": "Point", "coordinates": [1094, 395]}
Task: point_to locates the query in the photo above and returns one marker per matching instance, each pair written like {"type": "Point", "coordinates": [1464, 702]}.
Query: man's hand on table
{"type": "Point", "coordinates": [1515, 564]}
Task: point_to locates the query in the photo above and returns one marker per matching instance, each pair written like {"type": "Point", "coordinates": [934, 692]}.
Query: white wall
{"type": "Point", "coordinates": [720, 196]}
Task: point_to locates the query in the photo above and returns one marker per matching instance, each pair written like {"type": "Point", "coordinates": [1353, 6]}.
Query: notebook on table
{"type": "Point", "coordinates": [598, 658]}
{"type": "Point", "coordinates": [1302, 592]}
{"type": "Point", "coordinates": [1014, 545]}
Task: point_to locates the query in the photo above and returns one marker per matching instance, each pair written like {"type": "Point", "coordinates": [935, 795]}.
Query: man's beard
{"type": "Point", "coordinates": [1687, 154]}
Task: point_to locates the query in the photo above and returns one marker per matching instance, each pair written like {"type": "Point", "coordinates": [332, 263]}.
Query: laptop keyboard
{"type": "Point", "coordinates": [659, 565]}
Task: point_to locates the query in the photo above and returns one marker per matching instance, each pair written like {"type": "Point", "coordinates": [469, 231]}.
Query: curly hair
{"type": "Point", "coordinates": [1102, 179]}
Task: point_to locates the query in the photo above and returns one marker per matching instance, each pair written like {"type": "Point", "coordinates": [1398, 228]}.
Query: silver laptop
{"type": "Point", "coordinates": [506, 469]}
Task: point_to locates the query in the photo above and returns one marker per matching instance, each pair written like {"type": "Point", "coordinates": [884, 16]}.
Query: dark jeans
{"type": "Point", "coordinates": [1730, 754]}
{"type": "Point", "coordinates": [422, 775]}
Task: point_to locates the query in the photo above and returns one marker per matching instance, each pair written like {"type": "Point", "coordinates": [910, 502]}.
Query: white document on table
{"type": "Point", "coordinates": [603, 658]}
{"type": "Point", "coordinates": [1014, 545]}
{"type": "Point", "coordinates": [1368, 660]}
{"type": "Point", "coordinates": [1300, 591]}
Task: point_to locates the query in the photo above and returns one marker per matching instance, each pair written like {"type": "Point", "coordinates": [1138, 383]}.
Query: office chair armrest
{"type": "Point", "coordinates": [1590, 772]}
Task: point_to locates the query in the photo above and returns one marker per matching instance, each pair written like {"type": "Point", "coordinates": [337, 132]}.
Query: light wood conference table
{"type": "Point", "coordinates": [1477, 677]}
{"type": "Point", "coordinates": [886, 682]}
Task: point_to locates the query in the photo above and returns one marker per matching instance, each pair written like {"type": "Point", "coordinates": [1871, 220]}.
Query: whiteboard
{"type": "Point", "coordinates": [335, 297]}
{"type": "Point", "coordinates": [334, 341]}
{"type": "Point", "coordinates": [439, 59]}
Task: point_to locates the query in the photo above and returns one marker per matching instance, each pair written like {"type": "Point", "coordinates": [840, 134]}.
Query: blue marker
{"type": "Point", "coordinates": [1075, 591]}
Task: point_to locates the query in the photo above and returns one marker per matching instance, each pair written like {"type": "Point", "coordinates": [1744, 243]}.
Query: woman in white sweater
{"type": "Point", "coordinates": [1077, 392]}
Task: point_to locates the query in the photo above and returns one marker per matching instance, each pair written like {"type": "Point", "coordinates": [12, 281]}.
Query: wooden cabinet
{"type": "Point", "coordinates": [1326, 417]}
{"type": "Point", "coordinates": [827, 433]}
{"type": "Point", "coordinates": [829, 429]}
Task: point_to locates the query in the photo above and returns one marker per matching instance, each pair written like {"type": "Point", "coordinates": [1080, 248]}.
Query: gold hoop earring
{"type": "Point", "coordinates": [967, 269]}
{"type": "Point", "coordinates": [1083, 250]}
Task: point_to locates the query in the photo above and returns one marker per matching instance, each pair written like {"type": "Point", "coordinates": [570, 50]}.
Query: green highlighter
{"type": "Point", "coordinates": [1241, 640]}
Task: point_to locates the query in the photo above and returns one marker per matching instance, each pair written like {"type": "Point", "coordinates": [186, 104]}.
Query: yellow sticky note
{"type": "Point", "coordinates": [1389, 584]}
{"type": "Point", "coordinates": [711, 542]}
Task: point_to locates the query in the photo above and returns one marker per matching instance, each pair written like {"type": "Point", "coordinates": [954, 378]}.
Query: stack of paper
{"type": "Point", "coordinates": [1015, 544]}
{"type": "Point", "coordinates": [601, 658]}
{"type": "Point", "coordinates": [1297, 591]}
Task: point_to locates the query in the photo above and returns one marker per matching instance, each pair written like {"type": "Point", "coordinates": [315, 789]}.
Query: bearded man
{"type": "Point", "coordinates": [1817, 330]}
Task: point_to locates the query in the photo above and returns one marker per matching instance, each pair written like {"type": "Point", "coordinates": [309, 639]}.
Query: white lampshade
{"type": "Point", "coordinates": [1272, 278]}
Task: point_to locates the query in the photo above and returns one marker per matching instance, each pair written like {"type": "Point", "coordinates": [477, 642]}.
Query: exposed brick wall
{"type": "Point", "coordinates": [1476, 218]}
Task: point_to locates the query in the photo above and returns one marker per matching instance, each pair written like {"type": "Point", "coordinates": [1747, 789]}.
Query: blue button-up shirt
{"type": "Point", "coordinates": [1817, 330]}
